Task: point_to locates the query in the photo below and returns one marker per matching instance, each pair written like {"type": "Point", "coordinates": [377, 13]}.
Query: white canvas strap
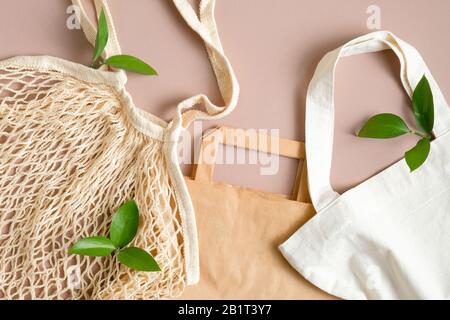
{"type": "Point", "coordinates": [90, 29]}
{"type": "Point", "coordinates": [320, 105]}
{"type": "Point", "coordinates": [205, 26]}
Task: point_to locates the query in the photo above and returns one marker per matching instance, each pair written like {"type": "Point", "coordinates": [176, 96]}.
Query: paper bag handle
{"type": "Point", "coordinates": [251, 140]}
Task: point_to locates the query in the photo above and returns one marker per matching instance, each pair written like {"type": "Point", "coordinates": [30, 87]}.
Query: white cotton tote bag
{"type": "Point", "coordinates": [389, 237]}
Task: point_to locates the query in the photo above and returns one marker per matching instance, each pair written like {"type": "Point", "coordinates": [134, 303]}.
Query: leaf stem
{"type": "Point", "coordinates": [420, 134]}
{"type": "Point", "coordinates": [97, 64]}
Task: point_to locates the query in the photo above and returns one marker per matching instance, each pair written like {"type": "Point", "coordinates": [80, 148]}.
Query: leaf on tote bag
{"type": "Point", "coordinates": [384, 126]}
{"type": "Point", "coordinates": [130, 63]}
{"type": "Point", "coordinates": [93, 246]}
{"type": "Point", "coordinates": [423, 105]}
{"type": "Point", "coordinates": [417, 155]}
{"type": "Point", "coordinates": [138, 259]}
{"type": "Point", "coordinates": [124, 224]}
{"type": "Point", "coordinates": [102, 36]}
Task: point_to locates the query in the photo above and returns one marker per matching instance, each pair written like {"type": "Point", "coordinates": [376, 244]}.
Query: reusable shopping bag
{"type": "Point", "coordinates": [73, 148]}
{"type": "Point", "coordinates": [387, 238]}
{"type": "Point", "coordinates": [240, 228]}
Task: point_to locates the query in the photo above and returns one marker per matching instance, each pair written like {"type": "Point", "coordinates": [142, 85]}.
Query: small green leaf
{"type": "Point", "coordinates": [93, 246]}
{"type": "Point", "coordinates": [423, 105]}
{"type": "Point", "coordinates": [417, 155]}
{"type": "Point", "coordinates": [384, 126]}
{"type": "Point", "coordinates": [130, 63]}
{"type": "Point", "coordinates": [124, 224]}
{"type": "Point", "coordinates": [102, 36]}
{"type": "Point", "coordinates": [138, 259]}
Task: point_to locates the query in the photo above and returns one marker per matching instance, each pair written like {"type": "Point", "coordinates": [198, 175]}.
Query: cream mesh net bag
{"type": "Point", "coordinates": [73, 148]}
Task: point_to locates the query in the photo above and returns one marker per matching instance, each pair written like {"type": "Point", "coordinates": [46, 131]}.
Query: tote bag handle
{"type": "Point", "coordinates": [320, 105]}
{"type": "Point", "coordinates": [205, 26]}
{"type": "Point", "coordinates": [251, 140]}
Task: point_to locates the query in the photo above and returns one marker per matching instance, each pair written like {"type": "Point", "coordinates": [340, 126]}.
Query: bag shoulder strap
{"type": "Point", "coordinates": [90, 29]}
{"type": "Point", "coordinates": [320, 105]}
{"type": "Point", "coordinates": [205, 26]}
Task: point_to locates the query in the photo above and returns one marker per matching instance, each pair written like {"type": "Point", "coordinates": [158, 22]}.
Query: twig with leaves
{"type": "Point", "coordinates": [125, 62]}
{"type": "Point", "coordinates": [122, 232]}
{"type": "Point", "coordinates": [388, 125]}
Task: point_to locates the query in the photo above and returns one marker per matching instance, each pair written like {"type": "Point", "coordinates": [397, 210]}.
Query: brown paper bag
{"type": "Point", "coordinates": [240, 229]}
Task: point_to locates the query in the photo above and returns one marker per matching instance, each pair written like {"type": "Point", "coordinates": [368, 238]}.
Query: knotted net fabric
{"type": "Point", "coordinates": [73, 148]}
{"type": "Point", "coordinates": [69, 156]}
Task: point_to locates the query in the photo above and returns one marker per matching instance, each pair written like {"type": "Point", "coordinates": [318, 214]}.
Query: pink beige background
{"type": "Point", "coordinates": [274, 47]}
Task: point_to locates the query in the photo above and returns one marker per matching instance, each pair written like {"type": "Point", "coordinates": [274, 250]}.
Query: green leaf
{"type": "Point", "coordinates": [423, 105]}
{"type": "Point", "coordinates": [102, 36]}
{"type": "Point", "coordinates": [384, 126]}
{"type": "Point", "coordinates": [93, 246]}
{"type": "Point", "coordinates": [130, 63]}
{"type": "Point", "coordinates": [138, 259]}
{"type": "Point", "coordinates": [124, 224]}
{"type": "Point", "coordinates": [417, 155]}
